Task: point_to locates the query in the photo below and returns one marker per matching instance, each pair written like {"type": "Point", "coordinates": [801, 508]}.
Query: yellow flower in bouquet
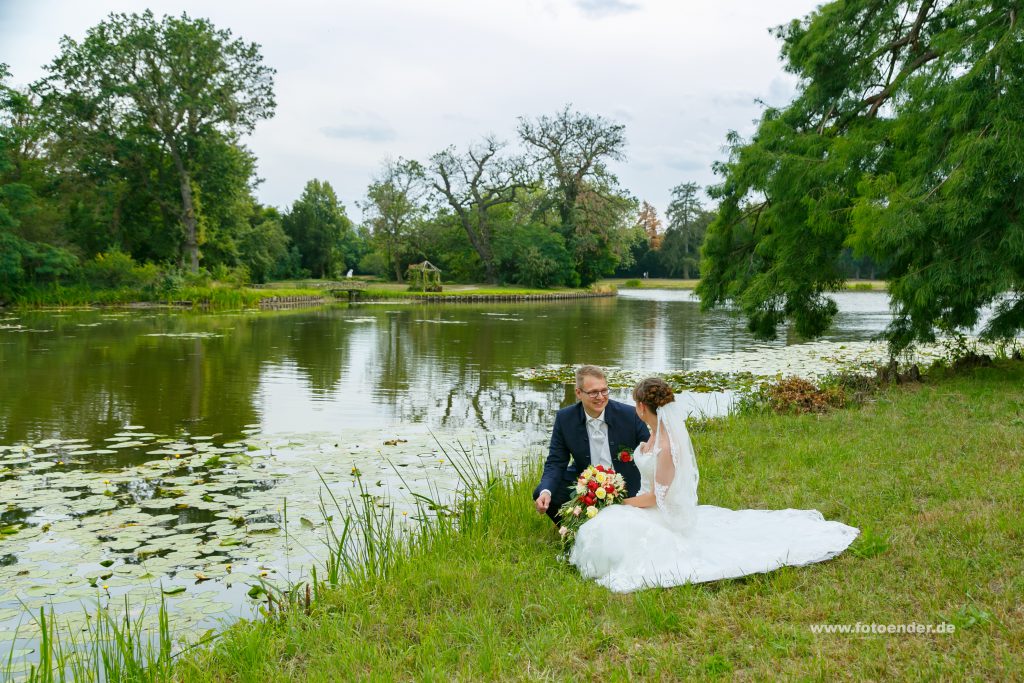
{"type": "Point", "coordinates": [596, 488]}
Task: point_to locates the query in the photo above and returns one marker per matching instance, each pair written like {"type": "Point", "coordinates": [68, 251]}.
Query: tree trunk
{"type": "Point", "coordinates": [188, 212]}
{"type": "Point", "coordinates": [481, 243]}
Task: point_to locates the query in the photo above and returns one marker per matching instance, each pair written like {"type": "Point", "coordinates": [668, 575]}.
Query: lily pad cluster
{"type": "Point", "coordinates": [745, 371]}
{"type": "Point", "coordinates": [813, 360]}
{"type": "Point", "coordinates": [203, 520]}
{"type": "Point", "coordinates": [698, 381]}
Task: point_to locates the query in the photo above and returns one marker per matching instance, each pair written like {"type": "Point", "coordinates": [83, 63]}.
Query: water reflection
{"type": "Point", "coordinates": [86, 373]}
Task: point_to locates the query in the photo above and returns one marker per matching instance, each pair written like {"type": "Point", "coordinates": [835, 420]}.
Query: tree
{"type": "Point", "coordinates": [605, 232]}
{"type": "Point", "coordinates": [22, 261]}
{"type": "Point", "coordinates": [393, 208]}
{"type": "Point", "coordinates": [904, 141]}
{"type": "Point", "coordinates": [649, 222]}
{"type": "Point", "coordinates": [9, 103]}
{"type": "Point", "coordinates": [571, 151]}
{"type": "Point", "coordinates": [175, 83]}
{"type": "Point", "coordinates": [18, 145]}
{"type": "Point", "coordinates": [263, 246]}
{"type": "Point", "coordinates": [685, 230]}
{"type": "Point", "coordinates": [473, 184]}
{"type": "Point", "coordinates": [321, 231]}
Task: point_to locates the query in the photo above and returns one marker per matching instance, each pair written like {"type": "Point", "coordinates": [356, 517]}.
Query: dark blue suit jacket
{"type": "Point", "coordinates": [569, 452]}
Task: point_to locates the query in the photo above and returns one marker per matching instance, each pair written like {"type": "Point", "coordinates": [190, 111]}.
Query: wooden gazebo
{"type": "Point", "coordinates": [424, 277]}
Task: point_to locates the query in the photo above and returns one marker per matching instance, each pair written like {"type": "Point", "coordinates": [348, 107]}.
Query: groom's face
{"type": "Point", "coordinates": [593, 394]}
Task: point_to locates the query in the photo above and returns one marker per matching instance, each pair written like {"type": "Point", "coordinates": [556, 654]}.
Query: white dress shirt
{"type": "Point", "coordinates": [597, 430]}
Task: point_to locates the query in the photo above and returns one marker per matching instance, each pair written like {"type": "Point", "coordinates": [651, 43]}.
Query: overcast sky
{"type": "Point", "coordinates": [361, 81]}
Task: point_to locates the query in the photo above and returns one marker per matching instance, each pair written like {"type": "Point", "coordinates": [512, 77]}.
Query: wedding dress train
{"type": "Point", "coordinates": [626, 548]}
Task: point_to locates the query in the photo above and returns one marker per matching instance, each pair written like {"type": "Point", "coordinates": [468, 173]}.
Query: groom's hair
{"type": "Point", "coordinates": [585, 370]}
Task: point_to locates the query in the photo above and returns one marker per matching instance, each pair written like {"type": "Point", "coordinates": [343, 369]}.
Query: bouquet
{"type": "Point", "coordinates": [597, 487]}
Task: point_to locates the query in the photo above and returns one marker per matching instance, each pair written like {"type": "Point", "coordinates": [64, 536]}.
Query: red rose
{"type": "Point", "coordinates": [589, 499]}
{"type": "Point", "coordinates": [609, 488]}
{"type": "Point", "coordinates": [625, 456]}
{"type": "Point", "coordinates": [592, 485]}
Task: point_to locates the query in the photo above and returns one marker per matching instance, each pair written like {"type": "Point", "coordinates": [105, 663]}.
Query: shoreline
{"type": "Point", "coordinates": [278, 296]}
{"type": "Point", "coordinates": [266, 299]}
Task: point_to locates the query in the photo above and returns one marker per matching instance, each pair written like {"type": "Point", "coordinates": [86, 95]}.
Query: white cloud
{"type": "Point", "coordinates": [357, 82]}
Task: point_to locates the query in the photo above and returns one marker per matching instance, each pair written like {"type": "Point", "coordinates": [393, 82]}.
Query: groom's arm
{"type": "Point", "coordinates": [557, 461]}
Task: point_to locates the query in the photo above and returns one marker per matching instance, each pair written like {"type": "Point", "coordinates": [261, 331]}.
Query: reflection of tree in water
{"type": "Point", "coordinates": [443, 365]}
{"type": "Point", "coordinates": [454, 366]}
{"type": "Point", "coordinates": [87, 382]}
{"type": "Point", "coordinates": [319, 345]}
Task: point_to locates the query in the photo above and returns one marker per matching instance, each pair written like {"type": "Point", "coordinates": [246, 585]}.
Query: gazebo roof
{"type": "Point", "coordinates": [426, 265]}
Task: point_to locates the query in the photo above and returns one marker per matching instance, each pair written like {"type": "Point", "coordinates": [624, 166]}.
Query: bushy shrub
{"type": "Point", "coordinates": [116, 269]}
{"type": "Point", "coordinates": [535, 256]}
{"type": "Point", "coordinates": [794, 394]}
{"type": "Point", "coordinates": [374, 263]}
{"type": "Point", "coordinates": [24, 264]}
{"type": "Point", "coordinates": [237, 276]}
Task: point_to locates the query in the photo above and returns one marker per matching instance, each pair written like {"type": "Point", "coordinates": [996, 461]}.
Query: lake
{"type": "Point", "coordinates": [138, 448]}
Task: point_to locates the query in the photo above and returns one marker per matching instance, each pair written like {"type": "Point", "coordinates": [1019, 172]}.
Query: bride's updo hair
{"type": "Point", "coordinates": [653, 392]}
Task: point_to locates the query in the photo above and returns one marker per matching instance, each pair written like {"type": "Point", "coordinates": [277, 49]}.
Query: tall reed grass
{"type": "Point", "coordinates": [364, 543]}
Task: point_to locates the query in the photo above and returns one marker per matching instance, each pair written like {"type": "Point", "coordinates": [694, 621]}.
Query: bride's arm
{"type": "Point", "coordinates": [644, 500]}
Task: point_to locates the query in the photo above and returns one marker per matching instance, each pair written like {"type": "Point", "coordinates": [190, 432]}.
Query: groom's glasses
{"type": "Point", "coordinates": [597, 392]}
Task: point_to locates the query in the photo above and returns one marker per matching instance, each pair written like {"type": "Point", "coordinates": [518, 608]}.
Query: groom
{"type": "Point", "coordinates": [593, 431]}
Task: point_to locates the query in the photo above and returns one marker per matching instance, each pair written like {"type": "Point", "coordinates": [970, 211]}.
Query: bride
{"type": "Point", "coordinates": [661, 537]}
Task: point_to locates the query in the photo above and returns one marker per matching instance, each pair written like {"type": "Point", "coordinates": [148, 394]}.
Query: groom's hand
{"type": "Point", "coordinates": [543, 501]}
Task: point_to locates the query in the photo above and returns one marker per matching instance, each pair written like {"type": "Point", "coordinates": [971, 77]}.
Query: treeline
{"type": "Point", "coordinates": [124, 166]}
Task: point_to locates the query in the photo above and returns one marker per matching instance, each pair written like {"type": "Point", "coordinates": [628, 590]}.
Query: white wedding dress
{"type": "Point", "coordinates": [626, 548]}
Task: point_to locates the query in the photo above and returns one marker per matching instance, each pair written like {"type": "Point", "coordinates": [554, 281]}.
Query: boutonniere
{"type": "Point", "coordinates": [625, 455]}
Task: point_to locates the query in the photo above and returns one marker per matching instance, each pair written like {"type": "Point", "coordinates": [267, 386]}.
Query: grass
{"type": "Point", "coordinates": [650, 283]}
{"type": "Point", "coordinates": [394, 291]}
{"type": "Point", "coordinates": [220, 298]}
{"type": "Point", "coordinates": [211, 297]}
{"type": "Point", "coordinates": [673, 283]}
{"type": "Point", "coordinates": [930, 473]}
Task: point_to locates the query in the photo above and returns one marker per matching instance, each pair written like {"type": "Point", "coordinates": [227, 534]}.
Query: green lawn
{"type": "Point", "coordinates": [679, 283]}
{"type": "Point", "coordinates": [214, 297]}
{"type": "Point", "coordinates": [932, 475]}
